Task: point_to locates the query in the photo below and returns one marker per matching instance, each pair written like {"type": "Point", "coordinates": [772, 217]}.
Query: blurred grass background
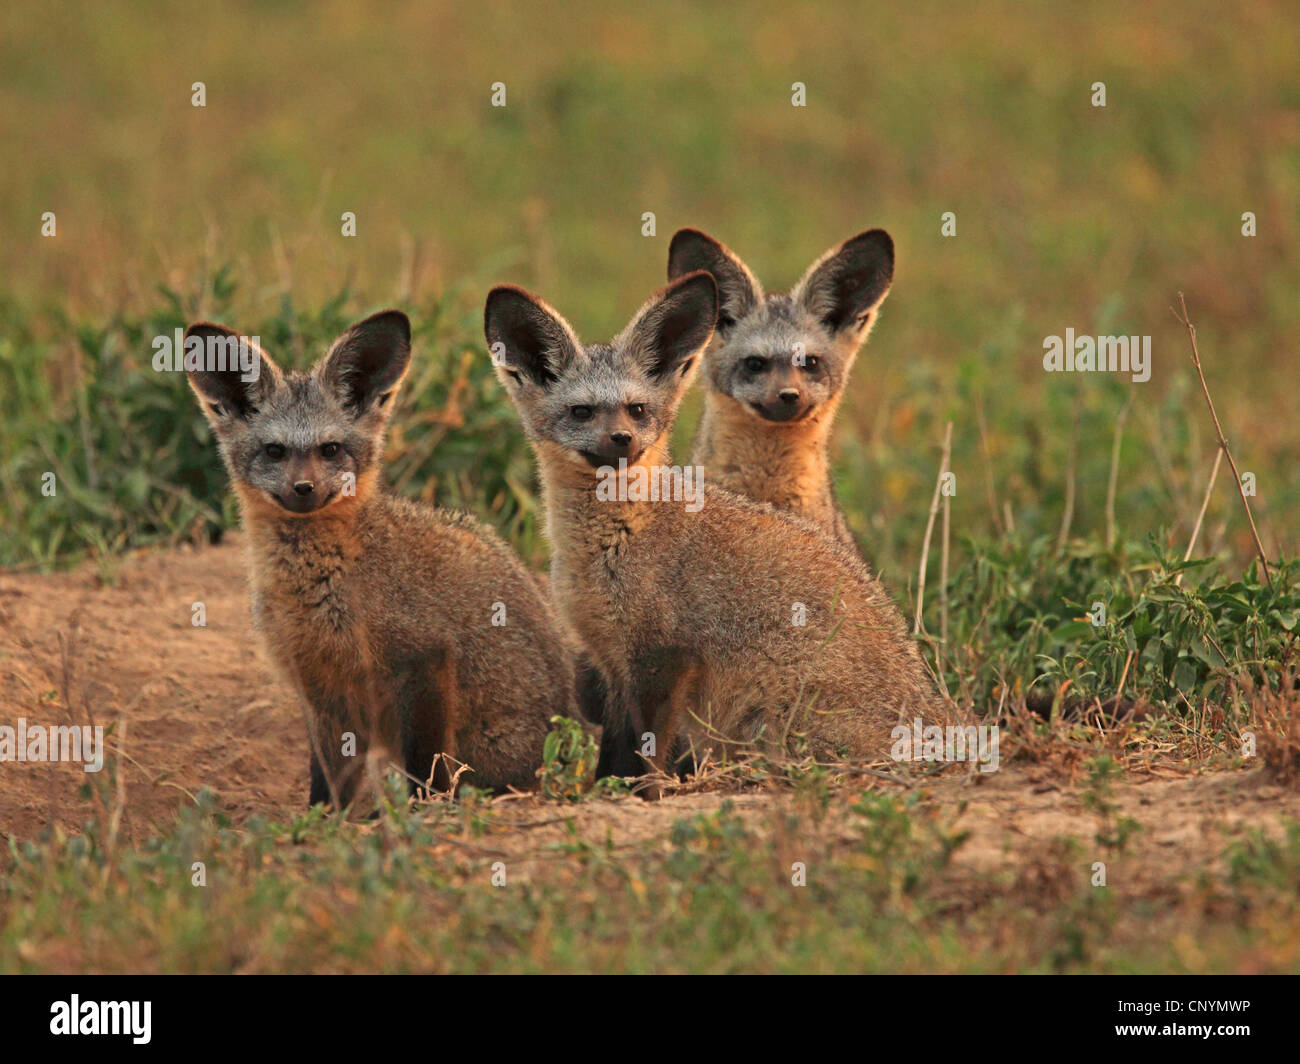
{"type": "Point", "coordinates": [1067, 216]}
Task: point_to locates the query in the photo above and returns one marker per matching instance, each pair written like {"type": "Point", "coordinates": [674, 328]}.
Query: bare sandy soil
{"type": "Point", "coordinates": [199, 707]}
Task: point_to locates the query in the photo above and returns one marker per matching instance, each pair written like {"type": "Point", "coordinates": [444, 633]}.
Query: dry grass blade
{"type": "Point", "coordinates": [1200, 517]}
{"type": "Point", "coordinates": [1113, 479]}
{"type": "Point", "coordinates": [1223, 443]}
{"type": "Point", "coordinates": [918, 627]}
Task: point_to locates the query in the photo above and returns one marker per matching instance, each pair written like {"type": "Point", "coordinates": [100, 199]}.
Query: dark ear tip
{"type": "Point", "coordinates": [203, 327]}
{"type": "Point", "coordinates": [682, 241]}
{"type": "Point", "coordinates": [395, 317]}
{"type": "Point", "coordinates": [878, 238]}
{"type": "Point", "coordinates": [501, 292]}
{"type": "Point", "coordinates": [682, 235]}
{"type": "Point", "coordinates": [500, 299]}
{"type": "Point", "coordinates": [509, 291]}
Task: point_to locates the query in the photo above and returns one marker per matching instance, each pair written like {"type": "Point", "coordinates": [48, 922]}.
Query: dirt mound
{"type": "Point", "coordinates": [202, 708]}
{"type": "Point", "coordinates": [200, 704]}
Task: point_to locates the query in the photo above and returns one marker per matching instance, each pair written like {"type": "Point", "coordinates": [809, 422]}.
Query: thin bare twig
{"type": "Point", "coordinates": [1205, 502]}
{"type": "Point", "coordinates": [1223, 443]}
{"type": "Point", "coordinates": [943, 575]}
{"type": "Point", "coordinates": [1114, 471]}
{"type": "Point", "coordinates": [118, 807]}
{"type": "Point", "coordinates": [918, 627]}
{"type": "Point", "coordinates": [1119, 694]}
{"type": "Point", "coordinates": [1067, 517]}
{"type": "Point", "coordinates": [989, 488]}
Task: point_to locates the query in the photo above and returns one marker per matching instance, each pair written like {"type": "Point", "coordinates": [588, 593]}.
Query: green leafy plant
{"type": "Point", "coordinates": [568, 760]}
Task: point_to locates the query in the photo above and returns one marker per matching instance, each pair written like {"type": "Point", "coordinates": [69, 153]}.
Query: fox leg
{"type": "Point", "coordinates": [618, 742]}
{"type": "Point", "coordinates": [428, 721]}
{"type": "Point", "coordinates": [320, 788]}
{"type": "Point", "coordinates": [667, 680]}
{"type": "Point", "coordinates": [591, 690]}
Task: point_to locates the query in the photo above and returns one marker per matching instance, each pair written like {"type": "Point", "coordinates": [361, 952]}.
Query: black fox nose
{"type": "Point", "coordinates": [621, 438]}
{"type": "Point", "coordinates": [304, 487]}
{"type": "Point", "coordinates": [789, 395]}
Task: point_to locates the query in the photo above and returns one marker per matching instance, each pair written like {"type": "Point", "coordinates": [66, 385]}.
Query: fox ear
{"type": "Point", "coordinates": [367, 363]}
{"type": "Point", "coordinates": [844, 287]}
{"type": "Point", "coordinates": [674, 325]}
{"type": "Point", "coordinates": [240, 384]}
{"type": "Point", "coordinates": [738, 290]}
{"type": "Point", "coordinates": [525, 337]}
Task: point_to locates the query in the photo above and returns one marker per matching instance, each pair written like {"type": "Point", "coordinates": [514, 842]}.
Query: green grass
{"type": "Point", "coordinates": [1023, 615]}
{"type": "Point", "coordinates": [427, 890]}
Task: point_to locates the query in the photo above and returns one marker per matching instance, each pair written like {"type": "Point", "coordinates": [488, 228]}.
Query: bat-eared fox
{"type": "Point", "coordinates": [716, 621]}
{"type": "Point", "coordinates": [407, 631]}
{"type": "Point", "coordinates": [776, 369]}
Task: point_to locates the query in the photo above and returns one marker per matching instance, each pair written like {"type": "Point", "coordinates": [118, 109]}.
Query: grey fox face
{"type": "Point", "coordinates": [781, 357]}
{"type": "Point", "coordinates": [303, 439]}
{"type": "Point", "coordinates": [603, 402]}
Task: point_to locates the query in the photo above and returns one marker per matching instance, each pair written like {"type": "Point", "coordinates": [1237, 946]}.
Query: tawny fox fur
{"type": "Point", "coordinates": [416, 630]}
{"type": "Point", "coordinates": [776, 369]}
{"type": "Point", "coordinates": [737, 623]}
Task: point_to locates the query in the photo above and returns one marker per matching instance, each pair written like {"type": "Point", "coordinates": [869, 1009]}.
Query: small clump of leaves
{"type": "Point", "coordinates": [1026, 615]}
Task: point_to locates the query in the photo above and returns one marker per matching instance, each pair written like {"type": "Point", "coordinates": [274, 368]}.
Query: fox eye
{"type": "Point", "coordinates": [329, 450]}
{"type": "Point", "coordinates": [810, 362]}
{"type": "Point", "coordinates": [274, 450]}
{"type": "Point", "coordinates": [755, 364]}
{"type": "Point", "coordinates": [637, 410]}
{"type": "Point", "coordinates": [580, 413]}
